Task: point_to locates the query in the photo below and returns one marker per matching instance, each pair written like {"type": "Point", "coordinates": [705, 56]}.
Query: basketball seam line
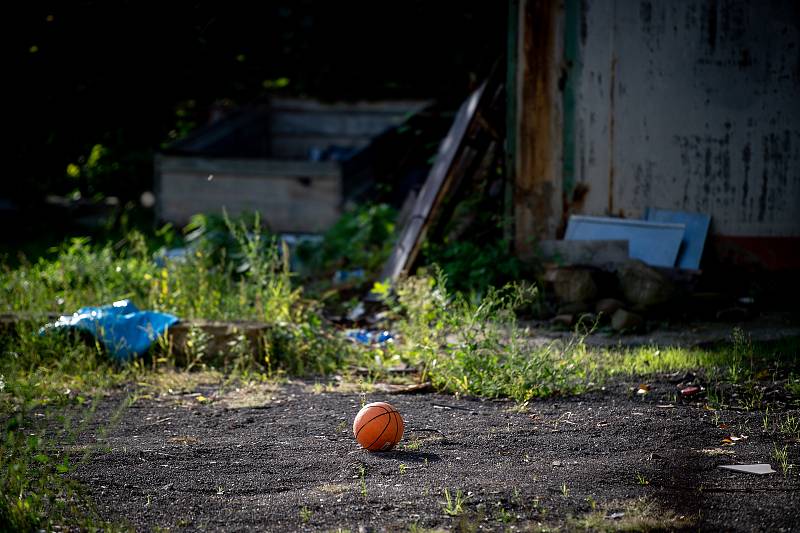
{"type": "Point", "coordinates": [373, 418]}
{"type": "Point", "coordinates": [384, 430]}
{"type": "Point", "coordinates": [396, 428]}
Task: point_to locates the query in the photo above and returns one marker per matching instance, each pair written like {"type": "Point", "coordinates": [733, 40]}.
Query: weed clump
{"type": "Point", "coordinates": [479, 348]}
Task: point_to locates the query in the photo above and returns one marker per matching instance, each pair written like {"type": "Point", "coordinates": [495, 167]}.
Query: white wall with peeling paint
{"type": "Point", "coordinates": [690, 105]}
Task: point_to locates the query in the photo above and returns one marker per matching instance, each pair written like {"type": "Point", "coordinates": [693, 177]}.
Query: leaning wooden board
{"type": "Point", "coordinates": [434, 189]}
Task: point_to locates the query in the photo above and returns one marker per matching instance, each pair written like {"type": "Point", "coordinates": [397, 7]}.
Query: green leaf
{"type": "Point", "coordinates": [42, 458]}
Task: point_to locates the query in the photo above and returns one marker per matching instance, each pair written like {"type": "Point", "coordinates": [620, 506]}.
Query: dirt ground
{"type": "Point", "coordinates": [283, 458]}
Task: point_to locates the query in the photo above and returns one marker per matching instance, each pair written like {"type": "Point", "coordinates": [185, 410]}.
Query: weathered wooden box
{"type": "Point", "coordinates": [283, 159]}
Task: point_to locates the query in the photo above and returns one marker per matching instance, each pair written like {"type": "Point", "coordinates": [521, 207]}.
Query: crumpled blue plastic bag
{"type": "Point", "coordinates": [121, 328]}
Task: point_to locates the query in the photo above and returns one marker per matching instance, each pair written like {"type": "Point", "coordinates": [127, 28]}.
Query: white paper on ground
{"type": "Point", "coordinates": [760, 468]}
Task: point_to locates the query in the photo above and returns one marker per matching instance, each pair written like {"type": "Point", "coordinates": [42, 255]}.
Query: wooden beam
{"type": "Point", "coordinates": [538, 190]}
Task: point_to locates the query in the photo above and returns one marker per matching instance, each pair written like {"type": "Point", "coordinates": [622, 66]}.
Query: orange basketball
{"type": "Point", "coordinates": [378, 427]}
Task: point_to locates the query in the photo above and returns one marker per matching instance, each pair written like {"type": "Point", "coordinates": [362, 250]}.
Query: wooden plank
{"type": "Point", "coordinates": [250, 167]}
{"type": "Point", "coordinates": [407, 248]}
{"type": "Point", "coordinates": [538, 177]}
{"type": "Point", "coordinates": [286, 204]}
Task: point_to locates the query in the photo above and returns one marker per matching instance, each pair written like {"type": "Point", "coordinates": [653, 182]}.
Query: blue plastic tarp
{"type": "Point", "coordinates": [121, 327]}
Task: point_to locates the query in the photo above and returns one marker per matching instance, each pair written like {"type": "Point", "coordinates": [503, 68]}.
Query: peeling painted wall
{"type": "Point", "coordinates": [686, 104]}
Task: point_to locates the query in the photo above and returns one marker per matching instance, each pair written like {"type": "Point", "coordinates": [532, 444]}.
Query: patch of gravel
{"type": "Point", "coordinates": [287, 461]}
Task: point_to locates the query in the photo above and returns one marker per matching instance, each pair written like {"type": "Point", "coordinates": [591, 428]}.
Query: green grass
{"type": "Point", "coordinates": [49, 382]}
{"type": "Point", "coordinates": [461, 345]}
{"type": "Point", "coordinates": [478, 348]}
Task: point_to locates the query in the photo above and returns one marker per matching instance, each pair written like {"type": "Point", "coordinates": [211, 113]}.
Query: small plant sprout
{"type": "Point", "coordinates": [790, 426]}
{"type": "Point", "coordinates": [220, 490]}
{"type": "Point", "coordinates": [503, 515]}
{"type": "Point", "coordinates": [765, 420]}
{"type": "Point", "coordinates": [363, 471]}
{"type": "Point", "coordinates": [592, 502]}
{"type": "Point", "coordinates": [781, 455]}
{"type": "Point", "coordinates": [413, 445]}
{"type": "Point", "coordinates": [641, 480]}
{"type": "Point", "coordinates": [403, 468]}
{"type": "Point", "coordinates": [564, 489]}
{"type": "Point", "coordinates": [305, 514]}
{"type": "Point", "coordinates": [453, 506]}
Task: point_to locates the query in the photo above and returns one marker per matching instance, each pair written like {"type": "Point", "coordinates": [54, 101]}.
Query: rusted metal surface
{"type": "Point", "coordinates": [688, 105]}
{"type": "Point", "coordinates": [537, 197]}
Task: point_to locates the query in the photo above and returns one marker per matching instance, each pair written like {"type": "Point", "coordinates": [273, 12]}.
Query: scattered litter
{"type": "Point", "coordinates": [666, 406]}
{"type": "Point", "coordinates": [643, 389]}
{"type": "Point", "coordinates": [615, 516]}
{"type": "Point", "coordinates": [364, 336]}
{"type": "Point", "coordinates": [691, 390]}
{"type": "Point", "coordinates": [759, 468]}
{"type": "Point", "coordinates": [356, 312]}
{"type": "Point", "coordinates": [716, 451]}
{"type": "Point", "coordinates": [123, 330]}
{"type": "Point", "coordinates": [171, 255]}
{"type": "Point", "coordinates": [349, 276]}
{"type": "Point", "coordinates": [732, 439]}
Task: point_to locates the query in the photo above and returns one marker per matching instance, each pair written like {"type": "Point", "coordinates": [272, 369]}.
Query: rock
{"type": "Point", "coordinates": [601, 254]}
{"type": "Point", "coordinates": [608, 306]}
{"type": "Point", "coordinates": [572, 284]}
{"type": "Point", "coordinates": [642, 285]}
{"type": "Point", "coordinates": [574, 308]}
{"type": "Point", "coordinates": [625, 320]}
{"type": "Point", "coordinates": [563, 320]}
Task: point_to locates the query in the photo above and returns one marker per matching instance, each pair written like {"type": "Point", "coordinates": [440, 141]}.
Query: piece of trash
{"type": "Point", "coordinates": [615, 516]}
{"type": "Point", "coordinates": [694, 238]}
{"type": "Point", "coordinates": [655, 243]}
{"type": "Point", "coordinates": [121, 327]}
{"type": "Point", "coordinates": [356, 312]}
{"type": "Point", "coordinates": [347, 276]}
{"type": "Point", "coordinates": [716, 451]}
{"type": "Point", "coordinates": [643, 389]}
{"type": "Point", "coordinates": [758, 468]}
{"type": "Point", "coordinates": [691, 390]}
{"type": "Point", "coordinates": [364, 336]}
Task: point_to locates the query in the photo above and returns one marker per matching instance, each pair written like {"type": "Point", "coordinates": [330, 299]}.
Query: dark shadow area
{"type": "Point", "coordinates": [411, 457]}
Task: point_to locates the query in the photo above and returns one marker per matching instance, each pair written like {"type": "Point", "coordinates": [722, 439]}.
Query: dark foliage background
{"type": "Point", "coordinates": [128, 74]}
